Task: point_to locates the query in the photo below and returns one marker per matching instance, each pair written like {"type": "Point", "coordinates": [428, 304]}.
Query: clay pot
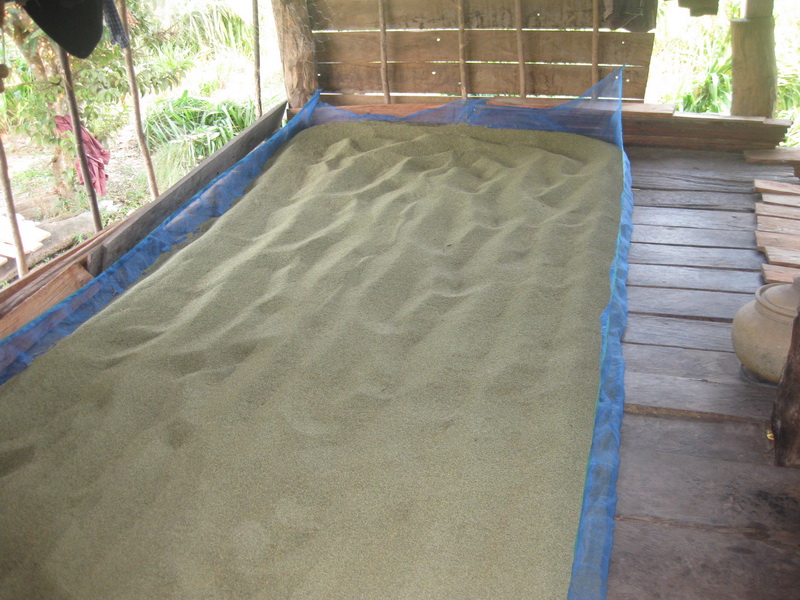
{"type": "Point", "coordinates": [762, 329]}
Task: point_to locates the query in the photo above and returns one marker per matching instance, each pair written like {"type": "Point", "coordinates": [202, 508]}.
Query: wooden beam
{"type": "Point", "coordinates": [137, 111]}
{"type": "Point", "coordinates": [779, 274]}
{"type": "Point", "coordinates": [295, 38]}
{"type": "Point", "coordinates": [69, 88]}
{"type": "Point", "coordinates": [257, 58]}
{"type": "Point", "coordinates": [387, 96]}
{"type": "Point", "coordinates": [523, 85]}
{"type": "Point", "coordinates": [786, 410]}
{"type": "Point", "coordinates": [754, 68]}
{"type": "Point", "coordinates": [135, 227]}
{"type": "Point", "coordinates": [595, 41]}
{"type": "Point", "coordinates": [462, 50]}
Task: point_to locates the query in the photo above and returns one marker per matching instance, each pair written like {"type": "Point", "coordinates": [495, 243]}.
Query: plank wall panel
{"type": "Point", "coordinates": [344, 15]}
{"type": "Point", "coordinates": [416, 78]}
{"type": "Point", "coordinates": [632, 49]}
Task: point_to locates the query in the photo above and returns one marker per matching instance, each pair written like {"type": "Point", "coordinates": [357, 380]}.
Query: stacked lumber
{"type": "Point", "coordinates": [778, 229]}
{"type": "Point", "coordinates": [658, 125]}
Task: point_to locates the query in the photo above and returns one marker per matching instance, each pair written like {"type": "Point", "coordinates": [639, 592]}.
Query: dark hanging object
{"type": "Point", "coordinates": [698, 8]}
{"type": "Point", "coordinates": [633, 15]}
{"type": "Point", "coordinates": [76, 25]}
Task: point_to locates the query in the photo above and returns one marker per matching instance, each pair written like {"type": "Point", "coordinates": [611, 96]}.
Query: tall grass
{"type": "Point", "coordinates": [183, 131]}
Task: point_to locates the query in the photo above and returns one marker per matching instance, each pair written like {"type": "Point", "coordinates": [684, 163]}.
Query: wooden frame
{"type": "Point", "coordinates": [50, 283]}
{"type": "Point", "coordinates": [441, 48]}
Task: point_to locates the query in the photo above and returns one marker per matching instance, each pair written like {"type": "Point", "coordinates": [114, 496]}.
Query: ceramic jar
{"type": "Point", "coordinates": [762, 329]}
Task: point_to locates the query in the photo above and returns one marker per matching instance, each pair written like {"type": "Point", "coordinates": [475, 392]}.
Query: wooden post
{"type": "Point", "coordinates": [754, 69]}
{"type": "Point", "coordinates": [257, 58]}
{"type": "Point", "coordinates": [293, 24]}
{"type": "Point", "coordinates": [11, 213]}
{"type": "Point", "coordinates": [595, 41]}
{"type": "Point", "coordinates": [76, 129]}
{"type": "Point", "coordinates": [387, 96]}
{"type": "Point", "coordinates": [523, 84]}
{"type": "Point", "coordinates": [137, 110]}
{"type": "Point", "coordinates": [462, 49]}
{"type": "Point", "coordinates": [786, 410]}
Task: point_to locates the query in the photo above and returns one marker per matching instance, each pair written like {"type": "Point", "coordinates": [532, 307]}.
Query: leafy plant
{"type": "Point", "coordinates": [185, 130]}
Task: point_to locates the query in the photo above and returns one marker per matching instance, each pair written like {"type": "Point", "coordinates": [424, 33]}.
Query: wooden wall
{"type": "Point", "coordinates": [410, 50]}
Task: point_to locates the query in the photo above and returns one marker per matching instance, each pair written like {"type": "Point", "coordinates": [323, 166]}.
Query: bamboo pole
{"type": "Point", "coordinates": [76, 129]}
{"type": "Point", "coordinates": [257, 58]}
{"type": "Point", "coordinates": [523, 84]}
{"type": "Point", "coordinates": [462, 49]}
{"type": "Point", "coordinates": [387, 95]}
{"type": "Point", "coordinates": [595, 41]}
{"type": "Point", "coordinates": [137, 111]}
{"type": "Point", "coordinates": [22, 263]}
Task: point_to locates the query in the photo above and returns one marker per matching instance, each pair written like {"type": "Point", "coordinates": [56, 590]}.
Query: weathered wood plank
{"type": "Point", "coordinates": [616, 48]}
{"type": "Point", "coordinates": [147, 218]}
{"type": "Point", "coordinates": [646, 393]}
{"type": "Point", "coordinates": [784, 211]}
{"type": "Point", "coordinates": [766, 186]}
{"type": "Point", "coordinates": [779, 274]}
{"type": "Point", "coordinates": [343, 15]}
{"type": "Point", "coordinates": [667, 169]}
{"type": "Point", "coordinates": [693, 256]}
{"type": "Point", "coordinates": [696, 491]}
{"type": "Point", "coordinates": [694, 278]}
{"type": "Point", "coordinates": [701, 200]}
{"type": "Point", "coordinates": [67, 282]}
{"type": "Point", "coordinates": [656, 561]}
{"type": "Point", "coordinates": [782, 256]}
{"type": "Point", "coordinates": [708, 365]}
{"type": "Point", "coordinates": [485, 78]}
{"type": "Point", "coordinates": [781, 200]}
{"type": "Point", "coordinates": [765, 239]}
{"type": "Point", "coordinates": [723, 440]}
{"type": "Point", "coordinates": [781, 156]}
{"type": "Point", "coordinates": [679, 236]}
{"type": "Point", "coordinates": [693, 219]}
{"type": "Point", "coordinates": [678, 333]}
{"type": "Point", "coordinates": [778, 225]}
{"type": "Point", "coordinates": [667, 302]}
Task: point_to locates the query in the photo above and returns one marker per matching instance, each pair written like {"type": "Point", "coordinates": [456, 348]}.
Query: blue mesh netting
{"type": "Point", "coordinates": [597, 113]}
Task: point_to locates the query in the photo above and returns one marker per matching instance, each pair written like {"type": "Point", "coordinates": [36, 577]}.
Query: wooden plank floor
{"type": "Point", "coordinates": [702, 512]}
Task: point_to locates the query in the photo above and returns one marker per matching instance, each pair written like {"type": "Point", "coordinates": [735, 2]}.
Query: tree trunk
{"type": "Point", "coordinates": [293, 25]}
{"type": "Point", "coordinates": [786, 410]}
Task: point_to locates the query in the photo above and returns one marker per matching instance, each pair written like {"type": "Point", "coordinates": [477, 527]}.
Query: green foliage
{"type": "Point", "coordinates": [214, 26]}
{"type": "Point", "coordinates": [101, 80]}
{"type": "Point", "coordinates": [183, 131]}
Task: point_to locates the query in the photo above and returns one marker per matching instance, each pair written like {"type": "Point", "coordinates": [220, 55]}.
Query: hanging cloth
{"type": "Point", "coordinates": [97, 156]}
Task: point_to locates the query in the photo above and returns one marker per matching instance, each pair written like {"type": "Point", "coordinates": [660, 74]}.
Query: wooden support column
{"type": "Point", "coordinates": [137, 109]}
{"type": "Point", "coordinates": [387, 95]}
{"type": "Point", "coordinates": [293, 24]}
{"type": "Point", "coordinates": [462, 50]}
{"type": "Point", "coordinates": [11, 213]}
{"type": "Point", "coordinates": [523, 83]}
{"type": "Point", "coordinates": [76, 129]}
{"type": "Point", "coordinates": [786, 410]}
{"type": "Point", "coordinates": [257, 58]}
{"type": "Point", "coordinates": [754, 68]}
{"type": "Point", "coordinates": [595, 41]}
